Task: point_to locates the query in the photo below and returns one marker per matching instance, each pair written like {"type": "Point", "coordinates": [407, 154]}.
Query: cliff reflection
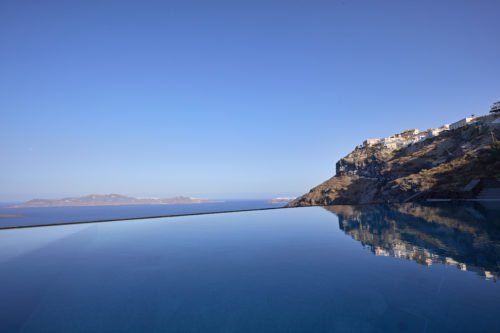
{"type": "Point", "coordinates": [466, 235]}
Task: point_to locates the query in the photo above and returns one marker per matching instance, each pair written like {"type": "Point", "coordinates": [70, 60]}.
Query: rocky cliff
{"type": "Point", "coordinates": [453, 164]}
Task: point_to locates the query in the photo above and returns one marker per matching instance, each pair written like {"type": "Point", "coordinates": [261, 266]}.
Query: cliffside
{"type": "Point", "coordinates": [441, 166]}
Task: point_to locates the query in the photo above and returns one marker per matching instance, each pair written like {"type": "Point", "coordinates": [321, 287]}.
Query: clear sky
{"type": "Point", "coordinates": [226, 99]}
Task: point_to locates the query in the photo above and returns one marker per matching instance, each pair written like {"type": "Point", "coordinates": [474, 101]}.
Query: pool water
{"type": "Point", "coordinates": [10, 217]}
{"type": "Point", "coordinates": [401, 268]}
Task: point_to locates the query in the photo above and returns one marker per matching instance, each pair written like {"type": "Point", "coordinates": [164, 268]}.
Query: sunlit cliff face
{"type": "Point", "coordinates": [465, 236]}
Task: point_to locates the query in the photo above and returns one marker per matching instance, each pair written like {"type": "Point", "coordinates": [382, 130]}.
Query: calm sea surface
{"type": "Point", "coordinates": [48, 215]}
{"type": "Point", "coordinates": [400, 268]}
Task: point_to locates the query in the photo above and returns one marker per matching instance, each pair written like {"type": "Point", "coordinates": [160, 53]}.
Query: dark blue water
{"type": "Point", "coordinates": [48, 215]}
{"type": "Point", "coordinates": [407, 268]}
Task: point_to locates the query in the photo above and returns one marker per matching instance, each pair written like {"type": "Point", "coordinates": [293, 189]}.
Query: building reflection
{"type": "Point", "coordinates": [463, 235]}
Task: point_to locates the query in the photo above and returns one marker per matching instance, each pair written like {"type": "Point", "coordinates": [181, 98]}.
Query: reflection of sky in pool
{"type": "Point", "coordinates": [290, 270]}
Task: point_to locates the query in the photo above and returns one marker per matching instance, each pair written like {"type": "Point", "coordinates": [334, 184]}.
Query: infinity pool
{"type": "Point", "coordinates": [406, 268]}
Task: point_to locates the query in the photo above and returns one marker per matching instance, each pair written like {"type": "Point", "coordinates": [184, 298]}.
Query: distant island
{"type": "Point", "coordinates": [456, 161]}
{"type": "Point", "coordinates": [282, 200]}
{"type": "Point", "coordinates": [107, 200]}
{"type": "Point", "coordinates": [8, 216]}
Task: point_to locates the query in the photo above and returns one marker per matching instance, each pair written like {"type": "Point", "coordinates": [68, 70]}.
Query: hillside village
{"type": "Point", "coordinates": [456, 161]}
{"type": "Point", "coordinates": [412, 136]}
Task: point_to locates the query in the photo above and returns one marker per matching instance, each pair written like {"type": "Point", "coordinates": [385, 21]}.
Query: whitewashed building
{"type": "Point", "coordinates": [460, 123]}
{"type": "Point", "coordinates": [371, 142]}
{"type": "Point", "coordinates": [495, 107]}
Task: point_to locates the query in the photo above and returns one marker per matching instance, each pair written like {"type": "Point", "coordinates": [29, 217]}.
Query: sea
{"type": "Point", "coordinates": [54, 215]}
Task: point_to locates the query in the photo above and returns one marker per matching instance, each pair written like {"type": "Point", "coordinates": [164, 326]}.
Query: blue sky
{"type": "Point", "coordinates": [226, 99]}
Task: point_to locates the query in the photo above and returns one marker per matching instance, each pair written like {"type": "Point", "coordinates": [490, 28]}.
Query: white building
{"type": "Point", "coordinates": [435, 132]}
{"type": "Point", "coordinates": [495, 107]}
{"type": "Point", "coordinates": [370, 142]}
{"type": "Point", "coordinates": [391, 145]}
{"type": "Point", "coordinates": [460, 123]}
